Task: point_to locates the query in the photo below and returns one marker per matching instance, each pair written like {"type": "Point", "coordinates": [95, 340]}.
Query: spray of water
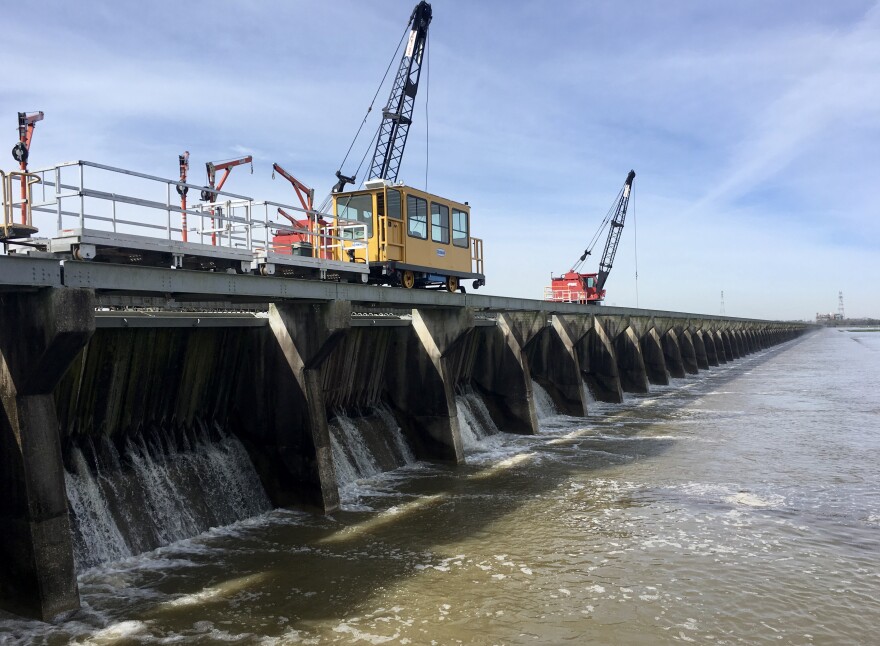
{"type": "Point", "coordinates": [544, 406]}
{"type": "Point", "coordinates": [474, 421]}
{"type": "Point", "coordinates": [366, 446]}
{"type": "Point", "coordinates": [159, 490]}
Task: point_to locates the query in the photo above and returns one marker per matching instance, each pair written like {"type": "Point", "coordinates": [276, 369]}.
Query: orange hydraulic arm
{"type": "Point", "coordinates": [306, 197]}
{"type": "Point", "coordinates": [305, 194]}
{"type": "Point", "coordinates": [26, 124]}
{"type": "Point", "coordinates": [210, 193]}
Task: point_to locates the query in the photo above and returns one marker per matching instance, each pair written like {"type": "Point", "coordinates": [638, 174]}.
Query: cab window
{"type": "Point", "coordinates": [357, 209]}
{"type": "Point", "coordinates": [459, 228]}
{"type": "Point", "coordinates": [439, 223]}
{"type": "Point", "coordinates": [393, 200]}
{"type": "Point", "coordinates": [417, 217]}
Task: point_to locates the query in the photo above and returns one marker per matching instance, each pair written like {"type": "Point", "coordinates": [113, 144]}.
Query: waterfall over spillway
{"type": "Point", "coordinates": [544, 406]}
{"type": "Point", "coordinates": [366, 446]}
{"type": "Point", "coordinates": [589, 399]}
{"type": "Point", "coordinates": [474, 421]}
{"type": "Point", "coordinates": [159, 490]}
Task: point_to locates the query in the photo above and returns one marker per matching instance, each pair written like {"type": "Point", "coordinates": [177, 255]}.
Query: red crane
{"type": "Point", "coordinates": [575, 287]}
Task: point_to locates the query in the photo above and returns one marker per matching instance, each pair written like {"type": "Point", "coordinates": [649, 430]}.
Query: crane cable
{"type": "Point", "coordinates": [326, 202]}
{"type": "Point", "coordinates": [632, 200]}
{"type": "Point", "coordinates": [427, 96]}
{"type": "Point", "coordinates": [598, 234]}
{"type": "Point", "coordinates": [367, 151]}
{"type": "Point", "coordinates": [372, 103]}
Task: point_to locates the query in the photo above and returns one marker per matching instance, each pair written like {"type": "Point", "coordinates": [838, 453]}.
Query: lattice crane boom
{"type": "Point", "coordinates": [397, 114]}
{"type": "Point", "coordinates": [614, 232]}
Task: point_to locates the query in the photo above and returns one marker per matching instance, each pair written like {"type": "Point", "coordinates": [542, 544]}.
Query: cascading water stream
{"type": "Point", "coordinates": [365, 446]}
{"type": "Point", "coordinates": [544, 406]}
{"type": "Point", "coordinates": [159, 490]}
{"type": "Point", "coordinates": [474, 421]}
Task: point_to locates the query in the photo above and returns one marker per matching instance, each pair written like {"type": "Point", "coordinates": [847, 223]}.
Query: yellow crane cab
{"type": "Point", "coordinates": [413, 238]}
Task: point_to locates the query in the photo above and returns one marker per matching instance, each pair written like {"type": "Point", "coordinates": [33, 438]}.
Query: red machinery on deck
{"type": "Point", "coordinates": [302, 235]}
{"type": "Point", "coordinates": [575, 287]}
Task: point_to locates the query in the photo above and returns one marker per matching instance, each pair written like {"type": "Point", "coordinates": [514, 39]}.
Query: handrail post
{"type": "Point", "coordinates": [249, 236]}
{"type": "Point", "coordinates": [58, 197]}
{"type": "Point", "coordinates": [3, 196]}
{"type": "Point", "coordinates": [82, 199]}
{"type": "Point", "coordinates": [266, 221]}
{"type": "Point", "coordinates": [167, 210]}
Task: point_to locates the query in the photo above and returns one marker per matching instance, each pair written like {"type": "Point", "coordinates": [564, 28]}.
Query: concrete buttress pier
{"type": "Point", "coordinates": [40, 334]}
{"type": "Point", "coordinates": [423, 370]}
{"type": "Point", "coordinates": [501, 370]}
{"type": "Point", "coordinates": [599, 364]}
{"type": "Point", "coordinates": [305, 335]}
{"type": "Point", "coordinates": [560, 365]}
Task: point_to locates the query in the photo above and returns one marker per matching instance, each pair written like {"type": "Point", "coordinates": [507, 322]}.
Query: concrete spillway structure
{"type": "Point", "coordinates": [73, 376]}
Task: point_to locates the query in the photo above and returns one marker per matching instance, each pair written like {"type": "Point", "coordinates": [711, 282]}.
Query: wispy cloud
{"type": "Point", "coordinates": [843, 87]}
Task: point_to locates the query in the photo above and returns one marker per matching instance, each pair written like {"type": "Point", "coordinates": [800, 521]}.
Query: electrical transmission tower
{"type": "Point", "coordinates": [722, 302]}
{"type": "Point", "coordinates": [840, 313]}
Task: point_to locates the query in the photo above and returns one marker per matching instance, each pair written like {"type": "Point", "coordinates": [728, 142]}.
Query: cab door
{"type": "Point", "coordinates": [391, 236]}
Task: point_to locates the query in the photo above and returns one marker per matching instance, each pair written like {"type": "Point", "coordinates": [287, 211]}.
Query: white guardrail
{"type": "Point", "coordinates": [74, 196]}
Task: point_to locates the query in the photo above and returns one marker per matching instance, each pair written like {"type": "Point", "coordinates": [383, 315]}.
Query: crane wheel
{"type": "Point", "coordinates": [408, 279]}
{"type": "Point", "coordinates": [452, 284]}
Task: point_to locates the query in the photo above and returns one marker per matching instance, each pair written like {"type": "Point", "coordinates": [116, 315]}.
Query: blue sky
{"type": "Point", "coordinates": [753, 126]}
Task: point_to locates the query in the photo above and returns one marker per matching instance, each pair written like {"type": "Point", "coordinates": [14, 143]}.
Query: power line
{"type": "Point", "coordinates": [636, 245]}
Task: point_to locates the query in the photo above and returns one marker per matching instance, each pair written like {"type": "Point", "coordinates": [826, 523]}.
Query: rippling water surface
{"type": "Point", "coordinates": [741, 505]}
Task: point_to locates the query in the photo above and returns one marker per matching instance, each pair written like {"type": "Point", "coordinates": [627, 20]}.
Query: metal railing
{"type": "Point", "coordinates": [477, 256]}
{"type": "Point", "coordinates": [73, 196]}
{"type": "Point", "coordinates": [565, 295]}
{"type": "Point", "coordinates": [10, 205]}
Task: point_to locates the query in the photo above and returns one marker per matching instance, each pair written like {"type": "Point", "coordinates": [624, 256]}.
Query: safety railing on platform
{"type": "Point", "coordinates": [477, 256]}
{"type": "Point", "coordinates": [563, 295]}
{"type": "Point", "coordinates": [17, 220]}
{"type": "Point", "coordinates": [138, 203]}
{"type": "Point", "coordinates": [72, 196]}
{"type": "Point", "coordinates": [326, 241]}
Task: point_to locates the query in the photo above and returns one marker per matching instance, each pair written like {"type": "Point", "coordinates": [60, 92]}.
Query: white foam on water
{"type": "Point", "coordinates": [359, 635]}
{"type": "Point", "coordinates": [746, 499]}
